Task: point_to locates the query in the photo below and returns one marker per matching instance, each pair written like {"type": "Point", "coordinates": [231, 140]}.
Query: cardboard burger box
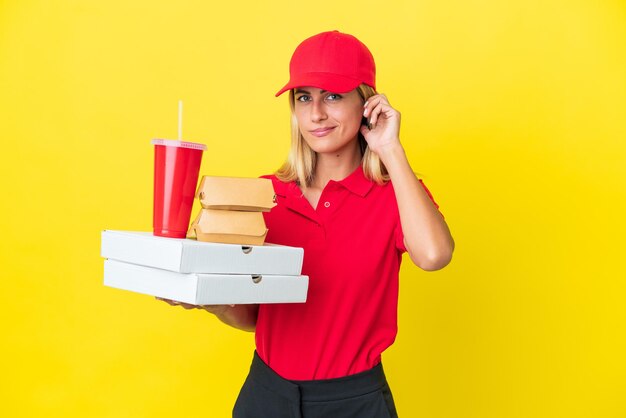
{"type": "Point", "coordinates": [229, 227]}
{"type": "Point", "coordinates": [232, 210]}
{"type": "Point", "coordinates": [236, 193]}
{"type": "Point", "coordinates": [205, 289]}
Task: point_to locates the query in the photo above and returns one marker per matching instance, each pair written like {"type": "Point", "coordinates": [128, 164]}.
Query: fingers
{"type": "Point", "coordinates": [376, 105]}
{"type": "Point", "coordinates": [216, 309]}
{"type": "Point", "coordinates": [177, 303]}
{"type": "Point", "coordinates": [168, 301]}
{"type": "Point", "coordinates": [209, 308]}
{"type": "Point", "coordinates": [372, 102]}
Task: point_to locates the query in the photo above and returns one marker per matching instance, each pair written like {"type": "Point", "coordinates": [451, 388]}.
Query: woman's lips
{"type": "Point", "coordinates": [322, 131]}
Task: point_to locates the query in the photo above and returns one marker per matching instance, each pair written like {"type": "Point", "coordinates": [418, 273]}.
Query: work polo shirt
{"type": "Point", "coordinates": [353, 245]}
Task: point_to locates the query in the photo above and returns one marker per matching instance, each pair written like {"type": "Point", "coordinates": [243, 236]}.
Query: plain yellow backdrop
{"type": "Point", "coordinates": [513, 112]}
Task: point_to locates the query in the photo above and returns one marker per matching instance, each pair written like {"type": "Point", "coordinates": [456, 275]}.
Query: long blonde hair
{"type": "Point", "coordinates": [300, 164]}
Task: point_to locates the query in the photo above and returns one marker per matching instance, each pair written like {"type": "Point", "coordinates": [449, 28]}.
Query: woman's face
{"type": "Point", "coordinates": [329, 122]}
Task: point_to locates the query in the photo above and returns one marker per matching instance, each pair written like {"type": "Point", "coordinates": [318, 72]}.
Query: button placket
{"type": "Point", "coordinates": [328, 196]}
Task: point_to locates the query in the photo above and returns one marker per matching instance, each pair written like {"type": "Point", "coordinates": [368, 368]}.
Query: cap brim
{"type": "Point", "coordinates": [325, 81]}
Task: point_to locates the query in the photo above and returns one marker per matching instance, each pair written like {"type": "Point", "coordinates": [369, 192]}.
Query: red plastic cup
{"type": "Point", "coordinates": [176, 170]}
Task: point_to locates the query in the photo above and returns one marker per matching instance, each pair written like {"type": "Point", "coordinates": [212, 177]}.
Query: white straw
{"type": "Point", "coordinates": [180, 120]}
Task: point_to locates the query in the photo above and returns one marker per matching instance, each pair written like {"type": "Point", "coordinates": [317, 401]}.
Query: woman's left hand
{"type": "Point", "coordinates": [385, 124]}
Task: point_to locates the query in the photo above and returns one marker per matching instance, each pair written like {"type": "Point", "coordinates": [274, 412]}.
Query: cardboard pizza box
{"type": "Point", "coordinates": [184, 255]}
{"type": "Point", "coordinates": [205, 289]}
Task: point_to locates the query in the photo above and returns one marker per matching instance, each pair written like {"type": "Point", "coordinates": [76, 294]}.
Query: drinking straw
{"type": "Point", "coordinates": [180, 120]}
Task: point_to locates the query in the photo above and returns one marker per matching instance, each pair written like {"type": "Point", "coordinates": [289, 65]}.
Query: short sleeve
{"type": "Point", "coordinates": [399, 238]}
{"type": "Point", "coordinates": [429, 194]}
{"type": "Point", "coordinates": [399, 234]}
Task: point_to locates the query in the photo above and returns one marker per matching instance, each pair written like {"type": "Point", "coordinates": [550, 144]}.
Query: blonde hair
{"type": "Point", "coordinates": [300, 163]}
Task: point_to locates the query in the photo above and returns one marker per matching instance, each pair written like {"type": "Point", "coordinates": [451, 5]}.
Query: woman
{"type": "Point", "coordinates": [349, 197]}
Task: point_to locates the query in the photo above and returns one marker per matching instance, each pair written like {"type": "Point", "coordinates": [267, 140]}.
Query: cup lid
{"type": "Point", "coordinates": [180, 144]}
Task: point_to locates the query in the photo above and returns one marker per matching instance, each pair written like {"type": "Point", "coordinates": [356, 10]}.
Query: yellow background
{"type": "Point", "coordinates": [512, 111]}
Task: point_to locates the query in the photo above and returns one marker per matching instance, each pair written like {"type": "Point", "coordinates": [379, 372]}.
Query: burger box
{"type": "Point", "coordinates": [206, 289]}
{"type": "Point", "coordinates": [229, 226]}
{"type": "Point", "coordinates": [231, 210]}
{"type": "Point", "coordinates": [236, 193]}
{"type": "Point", "coordinates": [186, 255]}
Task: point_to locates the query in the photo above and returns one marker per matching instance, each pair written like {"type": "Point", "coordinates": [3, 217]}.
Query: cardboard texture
{"type": "Point", "coordinates": [236, 193]}
{"type": "Point", "coordinates": [228, 226]}
{"type": "Point", "coordinates": [231, 210]}
{"type": "Point", "coordinates": [205, 289]}
{"type": "Point", "coordinates": [191, 256]}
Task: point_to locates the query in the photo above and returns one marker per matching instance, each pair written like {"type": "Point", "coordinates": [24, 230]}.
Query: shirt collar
{"type": "Point", "coordinates": [357, 183]}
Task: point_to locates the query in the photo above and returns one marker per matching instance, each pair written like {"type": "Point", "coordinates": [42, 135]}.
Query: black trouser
{"type": "Point", "coordinates": [267, 395]}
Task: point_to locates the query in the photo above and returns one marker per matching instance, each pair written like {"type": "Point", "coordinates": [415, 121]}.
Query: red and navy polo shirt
{"type": "Point", "coordinates": [353, 245]}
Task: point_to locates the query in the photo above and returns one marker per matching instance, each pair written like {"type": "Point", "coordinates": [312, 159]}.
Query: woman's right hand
{"type": "Point", "coordinates": [242, 317]}
{"type": "Point", "coordinates": [214, 309]}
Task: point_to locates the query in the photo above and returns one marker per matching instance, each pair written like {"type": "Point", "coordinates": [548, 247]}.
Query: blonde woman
{"type": "Point", "coordinates": [349, 197]}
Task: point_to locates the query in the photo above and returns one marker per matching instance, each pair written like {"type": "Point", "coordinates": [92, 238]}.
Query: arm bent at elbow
{"type": "Point", "coordinates": [427, 237]}
{"type": "Point", "coordinates": [435, 260]}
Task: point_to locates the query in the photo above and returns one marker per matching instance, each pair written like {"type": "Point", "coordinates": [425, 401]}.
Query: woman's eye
{"type": "Point", "coordinates": [334, 96]}
{"type": "Point", "coordinates": [302, 98]}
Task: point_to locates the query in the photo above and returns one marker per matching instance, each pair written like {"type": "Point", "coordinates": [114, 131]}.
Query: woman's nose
{"type": "Point", "coordinates": [317, 111]}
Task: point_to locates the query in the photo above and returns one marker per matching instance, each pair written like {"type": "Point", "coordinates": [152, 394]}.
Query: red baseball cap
{"type": "Point", "coordinates": [331, 61]}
